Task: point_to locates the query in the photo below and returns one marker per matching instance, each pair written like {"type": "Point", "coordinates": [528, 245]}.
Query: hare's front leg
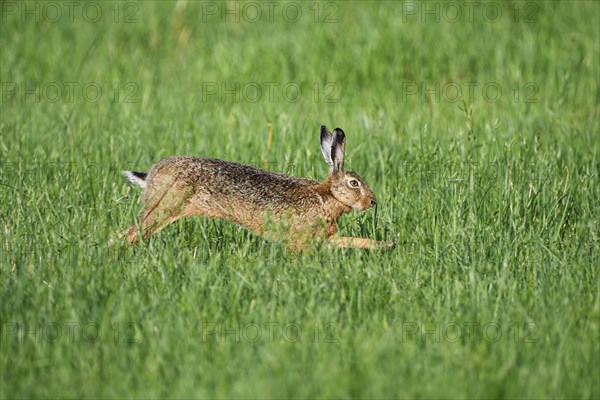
{"type": "Point", "coordinates": [361, 243]}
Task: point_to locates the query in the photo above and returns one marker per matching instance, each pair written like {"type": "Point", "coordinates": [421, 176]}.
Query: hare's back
{"type": "Point", "coordinates": [226, 177]}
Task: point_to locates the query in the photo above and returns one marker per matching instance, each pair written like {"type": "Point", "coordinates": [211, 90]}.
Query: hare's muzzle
{"type": "Point", "coordinates": [367, 203]}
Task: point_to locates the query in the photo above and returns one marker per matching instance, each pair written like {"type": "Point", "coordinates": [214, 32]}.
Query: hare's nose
{"type": "Point", "coordinates": [373, 203]}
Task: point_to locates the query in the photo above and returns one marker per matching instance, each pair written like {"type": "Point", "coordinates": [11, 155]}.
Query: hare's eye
{"type": "Point", "coordinates": [354, 183]}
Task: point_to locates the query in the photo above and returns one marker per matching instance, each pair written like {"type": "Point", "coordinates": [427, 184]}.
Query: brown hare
{"type": "Point", "coordinates": [277, 206]}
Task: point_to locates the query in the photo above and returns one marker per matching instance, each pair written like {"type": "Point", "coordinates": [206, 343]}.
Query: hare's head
{"type": "Point", "coordinates": [347, 187]}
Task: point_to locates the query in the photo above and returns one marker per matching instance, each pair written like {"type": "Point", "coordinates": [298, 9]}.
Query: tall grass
{"type": "Point", "coordinates": [492, 197]}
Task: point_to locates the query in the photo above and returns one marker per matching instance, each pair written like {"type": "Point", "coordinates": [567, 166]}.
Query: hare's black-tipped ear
{"type": "Point", "coordinates": [337, 150]}
{"type": "Point", "coordinates": [326, 146]}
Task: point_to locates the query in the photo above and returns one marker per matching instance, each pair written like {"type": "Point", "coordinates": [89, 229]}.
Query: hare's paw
{"type": "Point", "coordinates": [387, 246]}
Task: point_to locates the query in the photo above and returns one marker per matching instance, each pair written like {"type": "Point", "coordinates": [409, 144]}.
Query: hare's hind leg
{"type": "Point", "coordinates": [160, 211]}
{"type": "Point", "coordinates": [361, 243]}
{"type": "Point", "coordinates": [150, 223]}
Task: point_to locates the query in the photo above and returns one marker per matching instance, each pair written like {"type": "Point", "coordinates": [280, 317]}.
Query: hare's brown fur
{"type": "Point", "coordinates": [274, 205]}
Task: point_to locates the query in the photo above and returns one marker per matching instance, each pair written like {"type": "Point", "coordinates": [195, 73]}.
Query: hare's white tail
{"type": "Point", "coordinates": [137, 178]}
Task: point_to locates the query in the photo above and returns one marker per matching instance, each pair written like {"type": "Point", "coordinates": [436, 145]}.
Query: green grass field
{"type": "Point", "coordinates": [476, 127]}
